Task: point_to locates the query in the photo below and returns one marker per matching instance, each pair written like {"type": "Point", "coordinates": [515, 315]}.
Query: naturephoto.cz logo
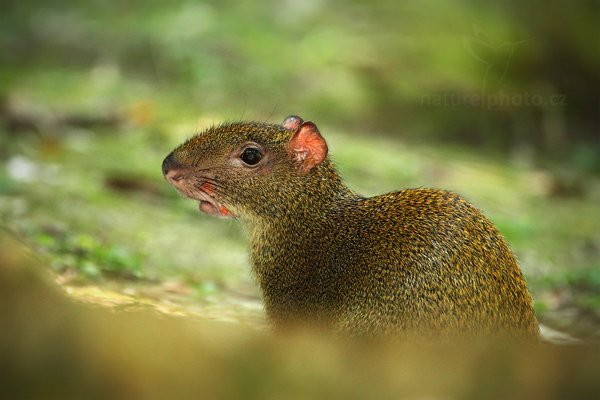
{"type": "Point", "coordinates": [500, 99]}
{"type": "Point", "coordinates": [495, 58]}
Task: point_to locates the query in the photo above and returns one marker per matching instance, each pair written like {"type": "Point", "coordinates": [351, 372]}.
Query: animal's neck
{"type": "Point", "coordinates": [292, 257]}
{"type": "Point", "coordinates": [301, 226]}
{"type": "Point", "coordinates": [300, 204]}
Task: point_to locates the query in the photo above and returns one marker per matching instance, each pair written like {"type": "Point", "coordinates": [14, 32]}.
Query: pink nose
{"type": "Point", "coordinates": [174, 175]}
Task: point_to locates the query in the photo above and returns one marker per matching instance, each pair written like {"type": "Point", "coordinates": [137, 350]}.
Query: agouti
{"type": "Point", "coordinates": [412, 261]}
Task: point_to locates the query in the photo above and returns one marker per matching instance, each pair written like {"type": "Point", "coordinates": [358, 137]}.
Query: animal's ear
{"type": "Point", "coordinates": [306, 147]}
{"type": "Point", "coordinates": [292, 123]}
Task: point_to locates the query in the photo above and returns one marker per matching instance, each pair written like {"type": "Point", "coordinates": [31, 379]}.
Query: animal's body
{"type": "Point", "coordinates": [412, 261]}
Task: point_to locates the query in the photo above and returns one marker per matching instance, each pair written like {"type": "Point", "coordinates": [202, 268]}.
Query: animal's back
{"type": "Point", "coordinates": [428, 260]}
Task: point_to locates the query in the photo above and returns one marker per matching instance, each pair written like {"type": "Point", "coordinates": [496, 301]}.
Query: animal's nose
{"type": "Point", "coordinates": [168, 164]}
{"type": "Point", "coordinates": [171, 168]}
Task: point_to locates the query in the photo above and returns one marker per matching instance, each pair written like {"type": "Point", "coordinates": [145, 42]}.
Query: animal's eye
{"type": "Point", "coordinates": [251, 156]}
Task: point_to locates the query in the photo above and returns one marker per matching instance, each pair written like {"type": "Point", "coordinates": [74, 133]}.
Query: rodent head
{"type": "Point", "coordinates": [245, 169]}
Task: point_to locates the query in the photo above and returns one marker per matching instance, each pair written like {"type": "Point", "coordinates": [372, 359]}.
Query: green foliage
{"type": "Point", "coordinates": [454, 71]}
{"type": "Point", "coordinates": [583, 284]}
{"type": "Point", "coordinates": [90, 257]}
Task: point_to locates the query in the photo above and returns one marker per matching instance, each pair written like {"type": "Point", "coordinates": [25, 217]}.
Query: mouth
{"type": "Point", "coordinates": [209, 205]}
{"type": "Point", "coordinates": [203, 193]}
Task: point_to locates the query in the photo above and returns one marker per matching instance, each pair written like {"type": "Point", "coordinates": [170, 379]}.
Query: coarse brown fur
{"type": "Point", "coordinates": [419, 261]}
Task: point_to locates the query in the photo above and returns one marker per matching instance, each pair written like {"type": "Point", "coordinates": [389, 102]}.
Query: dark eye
{"type": "Point", "coordinates": [251, 156]}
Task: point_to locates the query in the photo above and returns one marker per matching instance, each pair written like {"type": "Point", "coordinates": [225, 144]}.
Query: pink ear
{"type": "Point", "coordinates": [307, 147]}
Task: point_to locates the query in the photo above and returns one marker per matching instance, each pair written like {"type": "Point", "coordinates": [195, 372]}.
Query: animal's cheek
{"type": "Point", "coordinates": [208, 187]}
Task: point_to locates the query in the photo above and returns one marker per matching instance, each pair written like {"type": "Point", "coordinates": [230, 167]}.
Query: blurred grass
{"type": "Point", "coordinates": [51, 347]}
{"type": "Point", "coordinates": [90, 196]}
{"type": "Point", "coordinates": [361, 66]}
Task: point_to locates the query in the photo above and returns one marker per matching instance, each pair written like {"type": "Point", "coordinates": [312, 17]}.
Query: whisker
{"type": "Point", "coordinates": [216, 187]}
{"type": "Point", "coordinates": [212, 182]}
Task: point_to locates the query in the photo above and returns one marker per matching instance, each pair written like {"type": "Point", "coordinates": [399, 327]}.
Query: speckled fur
{"type": "Point", "coordinates": [417, 260]}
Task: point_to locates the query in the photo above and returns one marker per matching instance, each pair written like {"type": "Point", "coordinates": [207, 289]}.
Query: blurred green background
{"type": "Point", "coordinates": [499, 101]}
